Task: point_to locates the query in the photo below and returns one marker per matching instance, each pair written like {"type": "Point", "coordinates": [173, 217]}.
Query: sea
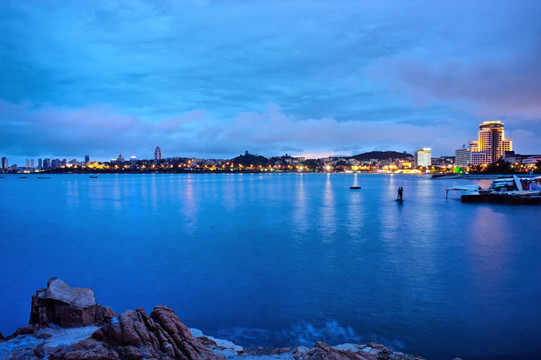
{"type": "Point", "coordinates": [277, 260]}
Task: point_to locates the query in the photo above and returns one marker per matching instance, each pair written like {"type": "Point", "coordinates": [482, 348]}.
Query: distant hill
{"type": "Point", "coordinates": [382, 155]}
{"type": "Point", "coordinates": [250, 159]}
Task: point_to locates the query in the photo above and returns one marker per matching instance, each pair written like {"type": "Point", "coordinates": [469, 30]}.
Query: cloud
{"type": "Point", "coordinates": [103, 133]}
{"type": "Point", "coordinates": [487, 87]}
{"type": "Point", "coordinates": [161, 58]}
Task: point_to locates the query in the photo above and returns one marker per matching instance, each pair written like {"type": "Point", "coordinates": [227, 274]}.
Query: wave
{"type": "Point", "coordinates": [303, 333]}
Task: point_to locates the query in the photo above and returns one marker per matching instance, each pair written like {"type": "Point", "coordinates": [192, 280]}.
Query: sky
{"type": "Point", "coordinates": [313, 78]}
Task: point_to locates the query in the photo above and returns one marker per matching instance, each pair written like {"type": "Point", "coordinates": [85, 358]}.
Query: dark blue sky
{"type": "Point", "coordinates": [215, 78]}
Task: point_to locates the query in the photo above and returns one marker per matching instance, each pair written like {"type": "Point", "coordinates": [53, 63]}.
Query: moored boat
{"type": "Point", "coordinates": [507, 190]}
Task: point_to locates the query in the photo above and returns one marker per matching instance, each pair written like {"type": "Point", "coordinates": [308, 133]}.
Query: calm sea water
{"type": "Point", "coordinates": [278, 260]}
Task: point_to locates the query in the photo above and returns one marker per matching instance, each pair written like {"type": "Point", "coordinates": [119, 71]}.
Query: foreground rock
{"type": "Point", "coordinates": [63, 305]}
{"type": "Point", "coordinates": [161, 335]}
{"type": "Point", "coordinates": [68, 324]}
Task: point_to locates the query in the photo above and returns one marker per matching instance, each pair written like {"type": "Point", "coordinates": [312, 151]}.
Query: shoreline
{"type": "Point", "coordinates": [68, 324]}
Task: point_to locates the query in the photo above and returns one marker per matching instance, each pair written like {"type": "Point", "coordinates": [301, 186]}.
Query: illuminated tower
{"type": "Point", "coordinates": [157, 153]}
{"type": "Point", "coordinates": [492, 140]}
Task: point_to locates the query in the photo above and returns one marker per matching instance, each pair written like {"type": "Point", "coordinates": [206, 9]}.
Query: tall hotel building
{"type": "Point", "coordinates": [491, 139]}
{"type": "Point", "coordinates": [490, 147]}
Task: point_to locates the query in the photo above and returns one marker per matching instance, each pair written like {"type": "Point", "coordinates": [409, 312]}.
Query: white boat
{"type": "Point", "coordinates": [507, 190]}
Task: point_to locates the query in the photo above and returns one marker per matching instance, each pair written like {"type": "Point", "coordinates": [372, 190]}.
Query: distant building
{"type": "Point", "coordinates": [479, 158]}
{"type": "Point", "coordinates": [87, 159]}
{"type": "Point", "coordinates": [158, 153]}
{"type": "Point", "coordinates": [491, 140]}
{"type": "Point", "coordinates": [32, 163]}
{"type": "Point", "coordinates": [120, 158]}
{"type": "Point", "coordinates": [511, 157]}
{"type": "Point", "coordinates": [423, 157]}
{"type": "Point", "coordinates": [27, 163]}
{"type": "Point", "coordinates": [4, 163]}
{"type": "Point", "coordinates": [490, 146]}
{"type": "Point", "coordinates": [46, 163]}
{"type": "Point", "coordinates": [40, 163]}
{"type": "Point", "coordinates": [507, 145]}
{"type": "Point", "coordinates": [463, 157]}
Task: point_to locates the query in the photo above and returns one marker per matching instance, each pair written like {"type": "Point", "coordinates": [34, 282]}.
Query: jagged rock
{"type": "Point", "coordinates": [299, 352]}
{"type": "Point", "coordinates": [161, 335]}
{"type": "Point", "coordinates": [66, 306]}
{"type": "Point", "coordinates": [31, 329]}
{"type": "Point", "coordinates": [132, 335]}
{"type": "Point", "coordinates": [182, 337]}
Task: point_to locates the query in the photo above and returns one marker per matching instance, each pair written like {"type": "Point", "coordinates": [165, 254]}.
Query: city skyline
{"type": "Point", "coordinates": [425, 153]}
{"type": "Point", "coordinates": [490, 146]}
{"type": "Point", "coordinates": [210, 79]}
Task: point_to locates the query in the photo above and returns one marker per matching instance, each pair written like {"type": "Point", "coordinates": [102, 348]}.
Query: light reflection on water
{"type": "Point", "coordinates": [286, 257]}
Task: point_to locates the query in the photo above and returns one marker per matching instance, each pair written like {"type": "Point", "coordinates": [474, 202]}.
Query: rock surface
{"type": "Point", "coordinates": [161, 335]}
{"type": "Point", "coordinates": [68, 324]}
{"type": "Point", "coordinates": [218, 346]}
{"type": "Point", "coordinates": [63, 305]}
{"type": "Point", "coordinates": [372, 351]}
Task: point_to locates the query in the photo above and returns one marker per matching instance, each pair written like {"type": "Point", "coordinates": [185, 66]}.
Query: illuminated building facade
{"type": "Point", "coordinates": [4, 163]}
{"type": "Point", "coordinates": [490, 146]}
{"type": "Point", "coordinates": [507, 145]}
{"type": "Point", "coordinates": [423, 157]}
{"type": "Point", "coordinates": [157, 153]}
{"type": "Point", "coordinates": [492, 140]}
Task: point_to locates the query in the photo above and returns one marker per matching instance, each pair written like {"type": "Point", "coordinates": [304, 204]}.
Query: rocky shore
{"type": "Point", "coordinates": [68, 324]}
